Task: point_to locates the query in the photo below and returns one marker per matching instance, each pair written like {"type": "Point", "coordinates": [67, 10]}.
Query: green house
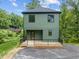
{"type": "Point", "coordinates": [41, 24]}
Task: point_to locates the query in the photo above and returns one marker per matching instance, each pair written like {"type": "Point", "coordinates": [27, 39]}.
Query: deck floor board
{"type": "Point", "coordinates": [41, 44]}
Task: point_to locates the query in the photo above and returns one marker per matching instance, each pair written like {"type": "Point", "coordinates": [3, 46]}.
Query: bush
{"type": "Point", "coordinates": [7, 35]}
{"type": "Point", "coordinates": [72, 40]}
{"type": "Point", "coordinates": [1, 41]}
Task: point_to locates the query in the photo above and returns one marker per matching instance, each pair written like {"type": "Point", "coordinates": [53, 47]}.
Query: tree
{"type": "Point", "coordinates": [69, 22]}
{"type": "Point", "coordinates": [16, 20]}
{"type": "Point", "coordinates": [4, 22]}
{"type": "Point", "coordinates": [75, 10]}
{"type": "Point", "coordinates": [33, 4]}
{"type": "Point", "coordinates": [9, 19]}
{"type": "Point", "coordinates": [63, 21]}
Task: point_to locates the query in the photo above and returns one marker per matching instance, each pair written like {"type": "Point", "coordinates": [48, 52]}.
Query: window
{"type": "Point", "coordinates": [50, 33]}
{"type": "Point", "coordinates": [31, 18]}
{"type": "Point", "coordinates": [50, 18]}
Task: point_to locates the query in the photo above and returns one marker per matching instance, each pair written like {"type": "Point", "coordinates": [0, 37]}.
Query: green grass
{"type": "Point", "coordinates": [76, 44]}
{"type": "Point", "coordinates": [7, 46]}
{"type": "Point", "coordinates": [8, 41]}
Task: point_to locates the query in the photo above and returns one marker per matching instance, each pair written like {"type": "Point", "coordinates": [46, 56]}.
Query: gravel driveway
{"type": "Point", "coordinates": [68, 52]}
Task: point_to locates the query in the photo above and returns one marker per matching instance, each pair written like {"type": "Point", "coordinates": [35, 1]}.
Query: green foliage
{"type": "Point", "coordinates": [8, 40]}
{"type": "Point", "coordinates": [72, 40]}
{"type": "Point", "coordinates": [33, 4]}
{"type": "Point", "coordinates": [10, 19]}
{"type": "Point", "coordinates": [6, 35]}
{"type": "Point", "coordinates": [16, 20]}
{"type": "Point", "coordinates": [69, 22]}
{"type": "Point", "coordinates": [7, 46]}
{"type": "Point", "coordinates": [20, 34]}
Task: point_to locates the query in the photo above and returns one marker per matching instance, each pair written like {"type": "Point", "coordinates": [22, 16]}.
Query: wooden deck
{"type": "Point", "coordinates": [41, 44]}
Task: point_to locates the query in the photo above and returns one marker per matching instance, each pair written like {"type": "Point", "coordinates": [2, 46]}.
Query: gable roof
{"type": "Point", "coordinates": [41, 10]}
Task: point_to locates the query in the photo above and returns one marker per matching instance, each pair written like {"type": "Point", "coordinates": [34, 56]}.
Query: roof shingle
{"type": "Point", "coordinates": [41, 10]}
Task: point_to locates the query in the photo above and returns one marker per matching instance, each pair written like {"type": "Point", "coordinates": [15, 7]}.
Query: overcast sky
{"type": "Point", "coordinates": [17, 6]}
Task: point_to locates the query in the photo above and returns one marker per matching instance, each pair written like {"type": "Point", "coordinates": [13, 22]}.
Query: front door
{"type": "Point", "coordinates": [32, 35]}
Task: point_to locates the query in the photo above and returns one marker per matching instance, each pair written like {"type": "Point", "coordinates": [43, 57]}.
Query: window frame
{"type": "Point", "coordinates": [49, 32]}
{"type": "Point", "coordinates": [51, 20]}
{"type": "Point", "coordinates": [31, 20]}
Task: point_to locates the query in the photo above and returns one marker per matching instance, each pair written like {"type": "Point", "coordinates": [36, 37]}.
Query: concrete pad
{"type": "Point", "coordinates": [68, 52]}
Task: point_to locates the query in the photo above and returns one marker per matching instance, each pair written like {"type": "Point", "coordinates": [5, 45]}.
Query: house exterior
{"type": "Point", "coordinates": [41, 24]}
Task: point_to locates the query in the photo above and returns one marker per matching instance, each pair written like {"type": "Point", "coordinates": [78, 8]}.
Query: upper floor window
{"type": "Point", "coordinates": [31, 18]}
{"type": "Point", "coordinates": [50, 18]}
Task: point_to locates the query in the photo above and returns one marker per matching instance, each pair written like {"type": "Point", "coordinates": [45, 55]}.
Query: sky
{"type": "Point", "coordinates": [18, 6]}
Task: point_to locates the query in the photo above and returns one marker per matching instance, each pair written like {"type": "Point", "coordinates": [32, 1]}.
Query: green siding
{"type": "Point", "coordinates": [41, 23]}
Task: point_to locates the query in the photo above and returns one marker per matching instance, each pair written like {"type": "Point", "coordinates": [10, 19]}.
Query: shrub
{"type": "Point", "coordinates": [6, 35]}
{"type": "Point", "coordinates": [72, 40]}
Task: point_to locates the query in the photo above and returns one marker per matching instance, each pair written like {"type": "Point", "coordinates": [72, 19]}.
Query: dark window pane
{"type": "Point", "coordinates": [50, 18]}
{"type": "Point", "coordinates": [31, 18]}
{"type": "Point", "coordinates": [50, 33]}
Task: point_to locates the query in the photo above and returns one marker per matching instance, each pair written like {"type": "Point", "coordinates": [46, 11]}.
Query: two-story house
{"type": "Point", "coordinates": [41, 24]}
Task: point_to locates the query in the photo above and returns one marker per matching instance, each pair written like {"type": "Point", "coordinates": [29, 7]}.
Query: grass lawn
{"type": "Point", "coordinates": [7, 46]}
{"type": "Point", "coordinates": [76, 44]}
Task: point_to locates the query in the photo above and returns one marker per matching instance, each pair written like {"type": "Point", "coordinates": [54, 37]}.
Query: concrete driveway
{"type": "Point", "coordinates": [68, 52]}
